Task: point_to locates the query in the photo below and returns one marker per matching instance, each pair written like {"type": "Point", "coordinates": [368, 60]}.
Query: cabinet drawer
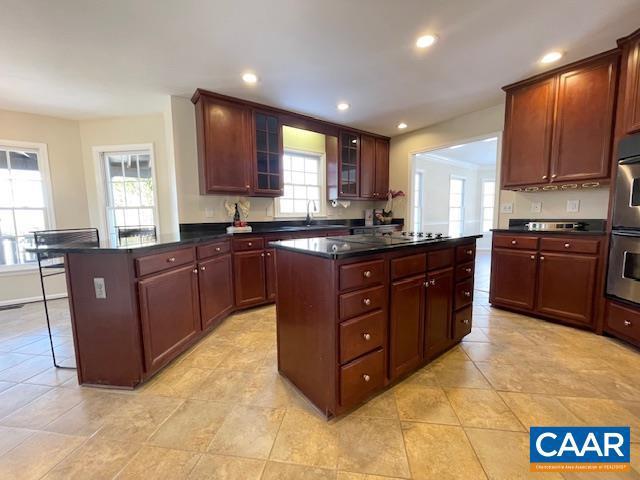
{"type": "Point", "coordinates": [362, 274]}
{"type": "Point", "coordinates": [363, 301]}
{"type": "Point", "coordinates": [520, 242]}
{"type": "Point", "coordinates": [163, 261]}
{"type": "Point", "coordinates": [243, 244]}
{"type": "Point", "coordinates": [464, 294]}
{"type": "Point", "coordinates": [462, 323]}
{"type": "Point", "coordinates": [464, 271]}
{"type": "Point", "coordinates": [212, 249]}
{"type": "Point", "coordinates": [624, 321]}
{"type": "Point", "coordinates": [361, 377]}
{"type": "Point", "coordinates": [361, 335]}
{"type": "Point", "coordinates": [440, 259]}
{"type": "Point", "coordinates": [408, 266]}
{"type": "Point", "coordinates": [575, 245]}
{"type": "Point", "coordinates": [465, 253]}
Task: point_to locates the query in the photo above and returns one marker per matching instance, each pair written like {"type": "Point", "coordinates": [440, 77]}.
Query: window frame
{"type": "Point", "coordinates": [417, 222]}
{"type": "Point", "coordinates": [483, 206]}
{"type": "Point", "coordinates": [462, 203]}
{"type": "Point", "coordinates": [42, 153]}
{"type": "Point", "coordinates": [322, 177]}
{"type": "Point", "coordinates": [101, 181]}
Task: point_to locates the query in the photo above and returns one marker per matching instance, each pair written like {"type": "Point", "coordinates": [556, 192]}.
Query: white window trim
{"type": "Point", "coordinates": [420, 172]}
{"type": "Point", "coordinates": [322, 208]}
{"type": "Point", "coordinates": [43, 167]}
{"type": "Point", "coordinates": [482, 204]}
{"type": "Point", "coordinates": [101, 180]}
{"type": "Point", "coordinates": [462, 203]}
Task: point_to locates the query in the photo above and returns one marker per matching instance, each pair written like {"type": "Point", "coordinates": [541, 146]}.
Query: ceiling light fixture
{"type": "Point", "coordinates": [402, 125]}
{"type": "Point", "coordinates": [426, 41]}
{"type": "Point", "coordinates": [250, 78]}
{"type": "Point", "coordinates": [343, 106]}
{"type": "Point", "coordinates": [551, 57]}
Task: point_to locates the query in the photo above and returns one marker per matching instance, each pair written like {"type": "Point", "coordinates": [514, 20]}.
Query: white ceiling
{"type": "Point", "coordinates": [88, 58]}
{"type": "Point", "coordinates": [480, 153]}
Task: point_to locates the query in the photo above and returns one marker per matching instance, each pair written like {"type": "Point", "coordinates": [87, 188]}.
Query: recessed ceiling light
{"type": "Point", "coordinates": [249, 77]}
{"type": "Point", "coordinates": [551, 57]}
{"type": "Point", "coordinates": [402, 125]}
{"type": "Point", "coordinates": [343, 106]}
{"type": "Point", "coordinates": [456, 146]}
{"type": "Point", "coordinates": [426, 41]}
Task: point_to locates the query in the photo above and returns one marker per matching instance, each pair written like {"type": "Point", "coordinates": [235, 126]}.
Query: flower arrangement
{"type": "Point", "coordinates": [387, 213]}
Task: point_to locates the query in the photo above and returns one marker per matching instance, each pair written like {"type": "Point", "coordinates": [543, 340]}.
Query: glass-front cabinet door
{"type": "Point", "coordinates": [349, 164]}
{"type": "Point", "coordinates": [268, 143]}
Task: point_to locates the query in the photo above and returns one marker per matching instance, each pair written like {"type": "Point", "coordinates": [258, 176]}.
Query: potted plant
{"type": "Point", "coordinates": [387, 212]}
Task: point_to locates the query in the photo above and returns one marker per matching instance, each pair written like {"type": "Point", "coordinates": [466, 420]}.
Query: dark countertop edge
{"type": "Point", "coordinates": [542, 232]}
{"type": "Point", "coordinates": [371, 250]}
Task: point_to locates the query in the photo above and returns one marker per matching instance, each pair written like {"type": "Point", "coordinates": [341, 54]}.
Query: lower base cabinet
{"type": "Point", "coordinates": [249, 278]}
{"type": "Point", "coordinates": [270, 273]}
{"type": "Point", "coordinates": [406, 314]}
{"type": "Point", "coordinates": [439, 307]}
{"type": "Point", "coordinates": [216, 289]}
{"type": "Point", "coordinates": [513, 278]}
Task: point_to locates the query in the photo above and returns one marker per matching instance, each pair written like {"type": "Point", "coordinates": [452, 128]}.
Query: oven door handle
{"type": "Point", "coordinates": [626, 234]}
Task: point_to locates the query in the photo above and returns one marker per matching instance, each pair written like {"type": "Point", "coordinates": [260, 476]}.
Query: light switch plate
{"type": "Point", "coordinates": [99, 287]}
{"type": "Point", "coordinates": [536, 207]}
{"type": "Point", "coordinates": [573, 206]}
{"type": "Point", "coordinates": [506, 208]}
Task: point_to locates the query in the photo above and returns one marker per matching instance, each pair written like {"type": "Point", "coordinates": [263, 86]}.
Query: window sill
{"type": "Point", "coordinates": [297, 217]}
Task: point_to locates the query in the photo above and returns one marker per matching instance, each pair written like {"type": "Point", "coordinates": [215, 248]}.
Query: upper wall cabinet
{"type": "Point", "coordinates": [268, 162]}
{"type": "Point", "coordinates": [558, 126]}
{"type": "Point", "coordinates": [629, 101]}
{"type": "Point", "coordinates": [374, 167]}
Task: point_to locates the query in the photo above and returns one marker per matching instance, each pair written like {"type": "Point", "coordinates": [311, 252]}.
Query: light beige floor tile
{"type": "Point", "coordinates": [371, 445]}
{"type": "Point", "coordinates": [25, 370]}
{"type": "Point", "coordinates": [52, 377]}
{"type": "Point", "coordinates": [267, 388]}
{"type": "Point", "coordinates": [246, 358]}
{"type": "Point", "coordinates": [10, 437]}
{"type": "Point", "coordinates": [593, 411]}
{"type": "Point", "coordinates": [225, 386]}
{"type": "Point", "coordinates": [36, 455]}
{"type": "Point", "coordinates": [205, 357]}
{"type": "Point", "coordinates": [18, 396]}
{"type": "Point", "coordinates": [459, 374]}
{"type": "Point", "coordinates": [482, 409]}
{"type": "Point", "coordinates": [440, 452]}
{"type": "Point", "coordinates": [247, 432]}
{"type": "Point", "coordinates": [476, 335]}
{"type": "Point", "coordinates": [286, 471]}
{"type": "Point", "coordinates": [381, 406]}
{"type": "Point", "coordinates": [363, 476]}
{"type": "Point", "coordinates": [307, 439]}
{"type": "Point", "coordinates": [534, 410]}
{"type": "Point", "coordinates": [97, 459]}
{"type": "Point", "coordinates": [612, 385]}
{"type": "Point", "coordinates": [155, 462]}
{"type": "Point", "coordinates": [504, 455]}
{"type": "Point", "coordinates": [425, 404]}
{"type": "Point", "coordinates": [8, 360]}
{"type": "Point", "coordinates": [222, 467]}
{"type": "Point", "coordinates": [178, 382]}
{"type": "Point", "coordinates": [6, 385]}
{"type": "Point", "coordinates": [425, 377]}
{"type": "Point", "coordinates": [192, 426]}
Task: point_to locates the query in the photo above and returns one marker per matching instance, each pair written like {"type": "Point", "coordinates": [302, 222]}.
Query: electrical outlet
{"type": "Point", "coordinates": [573, 206]}
{"type": "Point", "coordinates": [506, 208]}
{"type": "Point", "coordinates": [99, 287]}
{"type": "Point", "coordinates": [536, 207]}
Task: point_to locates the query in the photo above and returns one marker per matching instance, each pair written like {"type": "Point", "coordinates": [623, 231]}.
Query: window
{"type": "Point", "coordinates": [24, 201]}
{"type": "Point", "coordinates": [456, 206]}
{"type": "Point", "coordinates": [130, 189]}
{"type": "Point", "coordinates": [488, 198]}
{"type": "Point", "coordinates": [417, 202]}
{"type": "Point", "coordinates": [303, 181]}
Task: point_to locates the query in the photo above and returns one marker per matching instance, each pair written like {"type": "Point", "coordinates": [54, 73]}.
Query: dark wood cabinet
{"type": "Point", "coordinates": [249, 278]}
{"type": "Point", "coordinates": [349, 165]}
{"type": "Point", "coordinates": [406, 321]}
{"type": "Point", "coordinates": [270, 272]}
{"type": "Point", "coordinates": [513, 278]}
{"type": "Point", "coordinates": [629, 100]}
{"type": "Point", "coordinates": [216, 289]}
{"type": "Point", "coordinates": [169, 314]}
{"type": "Point", "coordinates": [439, 307]}
{"type": "Point", "coordinates": [268, 155]}
{"type": "Point", "coordinates": [374, 167]}
{"type": "Point", "coordinates": [382, 169]}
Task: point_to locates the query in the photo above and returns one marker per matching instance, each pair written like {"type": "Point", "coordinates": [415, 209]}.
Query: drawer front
{"type": "Point", "coordinates": [164, 261]}
{"type": "Point", "coordinates": [244, 244]}
{"type": "Point", "coordinates": [440, 259]}
{"type": "Point", "coordinates": [520, 242]}
{"type": "Point", "coordinates": [464, 271]}
{"type": "Point", "coordinates": [623, 320]}
{"type": "Point", "coordinates": [462, 323]}
{"type": "Point", "coordinates": [464, 294]}
{"type": "Point", "coordinates": [361, 335]}
{"type": "Point", "coordinates": [465, 253]}
{"type": "Point", "coordinates": [212, 250]}
{"type": "Point", "coordinates": [575, 245]}
{"type": "Point", "coordinates": [408, 266]}
{"type": "Point", "coordinates": [360, 302]}
{"type": "Point", "coordinates": [362, 274]}
{"type": "Point", "coordinates": [361, 377]}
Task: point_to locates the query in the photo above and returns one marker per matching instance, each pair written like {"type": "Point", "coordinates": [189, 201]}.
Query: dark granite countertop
{"type": "Point", "coordinates": [553, 232]}
{"type": "Point", "coordinates": [587, 226]}
{"type": "Point", "coordinates": [355, 245]}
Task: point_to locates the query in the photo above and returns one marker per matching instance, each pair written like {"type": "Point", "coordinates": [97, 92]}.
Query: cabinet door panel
{"type": "Point", "coordinates": [349, 165]}
{"type": "Point", "coordinates": [566, 285]}
{"type": "Point", "coordinates": [406, 324]}
{"type": "Point", "coordinates": [268, 155]}
{"type": "Point", "coordinates": [367, 166]}
{"type": "Point", "coordinates": [169, 314]}
{"type": "Point", "coordinates": [216, 289]}
{"type": "Point", "coordinates": [527, 138]}
{"type": "Point", "coordinates": [270, 272]}
{"type": "Point", "coordinates": [513, 278]}
{"type": "Point", "coordinates": [249, 278]}
{"type": "Point", "coordinates": [439, 308]}
{"type": "Point", "coordinates": [382, 168]}
{"type": "Point", "coordinates": [631, 95]}
{"type": "Point", "coordinates": [584, 122]}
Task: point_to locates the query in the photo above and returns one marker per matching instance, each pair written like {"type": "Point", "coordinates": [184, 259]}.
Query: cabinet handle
{"type": "Point", "coordinates": [366, 274]}
{"type": "Point", "coordinates": [468, 269]}
{"type": "Point", "coordinates": [366, 377]}
{"type": "Point", "coordinates": [541, 257]}
{"type": "Point", "coordinates": [467, 294]}
{"type": "Point", "coordinates": [366, 336]}
{"type": "Point", "coordinates": [566, 245]}
{"type": "Point", "coordinates": [554, 175]}
{"type": "Point", "coordinates": [171, 259]}
{"type": "Point", "coordinates": [533, 257]}
{"type": "Point", "coordinates": [217, 249]}
{"type": "Point", "coordinates": [513, 242]}
{"type": "Point", "coordinates": [627, 323]}
{"type": "Point", "coordinates": [469, 252]}
{"type": "Point", "coordinates": [195, 270]}
{"type": "Point", "coordinates": [465, 321]}
{"type": "Point", "coordinates": [203, 268]}
{"type": "Point", "coordinates": [544, 177]}
{"type": "Point", "coordinates": [367, 301]}
{"type": "Point", "coordinates": [432, 282]}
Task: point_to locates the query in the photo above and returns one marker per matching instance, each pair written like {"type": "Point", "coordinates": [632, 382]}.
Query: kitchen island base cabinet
{"type": "Point", "coordinates": [406, 324]}
{"type": "Point", "coordinates": [439, 308]}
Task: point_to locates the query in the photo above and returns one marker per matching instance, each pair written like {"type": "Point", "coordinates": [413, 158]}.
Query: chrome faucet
{"type": "Point", "coordinates": [308, 219]}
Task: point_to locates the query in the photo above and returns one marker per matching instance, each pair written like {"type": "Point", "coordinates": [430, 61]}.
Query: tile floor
{"type": "Point", "coordinates": [221, 410]}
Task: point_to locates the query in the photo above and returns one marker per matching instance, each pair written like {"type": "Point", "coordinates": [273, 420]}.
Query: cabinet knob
{"type": "Point", "coordinates": [627, 323]}
{"type": "Point", "coordinates": [171, 259]}
{"type": "Point", "coordinates": [544, 177]}
{"type": "Point", "coordinates": [268, 254]}
{"type": "Point", "coordinates": [468, 269]}
{"type": "Point", "coordinates": [366, 274]}
{"type": "Point", "coordinates": [554, 175]}
{"type": "Point", "coordinates": [567, 245]}
{"type": "Point", "coordinates": [541, 257]}
{"type": "Point", "coordinates": [195, 270]}
{"type": "Point", "coordinates": [247, 186]}
{"type": "Point", "coordinates": [262, 254]}
{"type": "Point", "coordinates": [533, 257]}
{"type": "Point", "coordinates": [366, 377]}
{"type": "Point", "coordinates": [467, 294]}
{"type": "Point", "coordinates": [217, 249]}
{"type": "Point", "coordinates": [203, 268]}
{"type": "Point", "coordinates": [366, 336]}
{"type": "Point", "coordinates": [469, 252]}
{"type": "Point", "coordinates": [465, 321]}
{"type": "Point", "coordinates": [250, 244]}
{"type": "Point", "coordinates": [514, 242]}
{"type": "Point", "coordinates": [426, 284]}
{"type": "Point", "coordinates": [367, 301]}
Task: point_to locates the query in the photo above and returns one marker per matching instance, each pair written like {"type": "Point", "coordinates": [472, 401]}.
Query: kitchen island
{"type": "Point", "coordinates": [356, 314]}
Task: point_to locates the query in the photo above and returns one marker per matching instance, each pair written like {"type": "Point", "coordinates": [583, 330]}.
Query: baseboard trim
{"type": "Point", "coordinates": [20, 301]}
